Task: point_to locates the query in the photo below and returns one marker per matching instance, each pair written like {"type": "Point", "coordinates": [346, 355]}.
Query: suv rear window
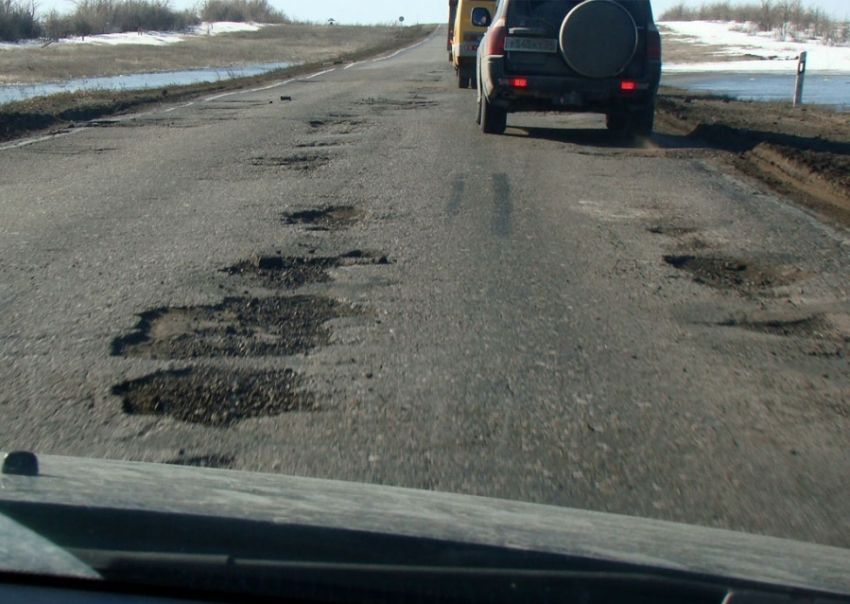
{"type": "Point", "coordinates": [550, 13]}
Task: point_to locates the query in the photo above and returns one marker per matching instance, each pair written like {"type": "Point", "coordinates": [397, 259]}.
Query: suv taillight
{"type": "Point", "coordinates": [653, 45]}
{"type": "Point", "coordinates": [496, 39]}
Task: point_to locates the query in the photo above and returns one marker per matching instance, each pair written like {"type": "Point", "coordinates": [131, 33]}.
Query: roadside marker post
{"type": "Point", "coordinates": [801, 77]}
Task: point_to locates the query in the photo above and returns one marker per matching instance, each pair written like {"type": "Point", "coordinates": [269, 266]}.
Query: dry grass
{"type": "Point", "coordinates": [294, 43]}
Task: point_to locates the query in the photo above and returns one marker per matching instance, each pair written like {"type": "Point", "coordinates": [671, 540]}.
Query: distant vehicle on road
{"type": "Point", "coordinates": [599, 56]}
{"type": "Point", "coordinates": [471, 19]}
{"type": "Point", "coordinates": [452, 15]}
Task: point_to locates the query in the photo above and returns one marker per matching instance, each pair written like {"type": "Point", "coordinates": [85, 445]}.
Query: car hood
{"type": "Point", "coordinates": [307, 502]}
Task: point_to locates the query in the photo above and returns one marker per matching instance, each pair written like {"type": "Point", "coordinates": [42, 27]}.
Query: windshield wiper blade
{"type": "Point", "coordinates": [348, 582]}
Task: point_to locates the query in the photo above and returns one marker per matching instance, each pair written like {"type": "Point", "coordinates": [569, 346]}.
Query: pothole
{"type": "Point", "coordinates": [416, 102]}
{"type": "Point", "coordinates": [280, 271]}
{"type": "Point", "coordinates": [806, 327]}
{"type": "Point", "coordinates": [213, 397]}
{"type": "Point", "coordinates": [322, 144]}
{"type": "Point", "coordinates": [729, 273]}
{"type": "Point", "coordinates": [671, 230]}
{"type": "Point", "coordinates": [292, 272]}
{"type": "Point", "coordinates": [826, 326]}
{"type": "Point", "coordinates": [212, 460]}
{"type": "Point", "coordinates": [299, 161]}
{"type": "Point", "coordinates": [331, 218]}
{"type": "Point", "coordinates": [235, 328]}
{"type": "Point", "coordinates": [336, 125]}
{"type": "Point", "coordinates": [75, 151]}
{"type": "Point", "coordinates": [696, 243]}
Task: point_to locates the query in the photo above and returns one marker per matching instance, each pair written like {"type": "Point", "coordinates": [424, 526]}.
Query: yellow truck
{"type": "Point", "coordinates": [468, 20]}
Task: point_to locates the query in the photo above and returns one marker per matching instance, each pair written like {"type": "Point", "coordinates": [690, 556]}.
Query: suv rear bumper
{"type": "Point", "coordinates": [559, 93]}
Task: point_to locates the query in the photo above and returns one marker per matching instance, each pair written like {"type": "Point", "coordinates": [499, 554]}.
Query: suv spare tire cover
{"type": "Point", "coordinates": [598, 38]}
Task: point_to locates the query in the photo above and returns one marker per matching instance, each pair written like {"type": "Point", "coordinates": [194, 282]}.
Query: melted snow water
{"type": "Point", "coordinates": [139, 81]}
{"type": "Point", "coordinates": [819, 89]}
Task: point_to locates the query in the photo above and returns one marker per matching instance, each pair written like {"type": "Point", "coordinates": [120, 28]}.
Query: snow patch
{"type": "Point", "coordinates": [148, 38]}
{"type": "Point", "coordinates": [769, 55]}
{"type": "Point", "coordinates": [225, 27]}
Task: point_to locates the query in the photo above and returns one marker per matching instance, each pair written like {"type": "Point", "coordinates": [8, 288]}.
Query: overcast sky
{"type": "Point", "coordinates": [413, 11]}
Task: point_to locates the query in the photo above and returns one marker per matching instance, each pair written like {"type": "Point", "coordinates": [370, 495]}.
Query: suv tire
{"type": "Point", "coordinates": [617, 122]}
{"type": "Point", "coordinates": [494, 119]}
{"type": "Point", "coordinates": [636, 122]}
{"type": "Point", "coordinates": [643, 120]}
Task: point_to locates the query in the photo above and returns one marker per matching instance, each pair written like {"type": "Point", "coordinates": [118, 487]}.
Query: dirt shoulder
{"type": "Point", "coordinates": [311, 46]}
{"type": "Point", "coordinates": [803, 154]}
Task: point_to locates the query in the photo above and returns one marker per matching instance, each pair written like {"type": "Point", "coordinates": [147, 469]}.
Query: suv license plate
{"type": "Point", "coordinates": [514, 44]}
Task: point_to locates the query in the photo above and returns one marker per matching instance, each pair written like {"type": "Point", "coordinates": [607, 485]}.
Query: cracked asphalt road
{"type": "Point", "coordinates": [557, 316]}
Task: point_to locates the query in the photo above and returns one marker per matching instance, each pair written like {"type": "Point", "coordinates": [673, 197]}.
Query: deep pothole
{"type": "Point", "coordinates": [293, 271]}
{"type": "Point", "coordinates": [304, 162]}
{"type": "Point", "coordinates": [212, 397]}
{"type": "Point", "coordinates": [237, 327]}
{"type": "Point", "coordinates": [731, 273]}
{"type": "Point", "coordinates": [331, 218]}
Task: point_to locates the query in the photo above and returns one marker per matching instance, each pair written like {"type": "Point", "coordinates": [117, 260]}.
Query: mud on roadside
{"type": "Point", "coordinates": [803, 154]}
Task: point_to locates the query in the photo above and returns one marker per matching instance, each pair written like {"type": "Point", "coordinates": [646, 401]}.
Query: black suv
{"type": "Point", "coordinates": [599, 56]}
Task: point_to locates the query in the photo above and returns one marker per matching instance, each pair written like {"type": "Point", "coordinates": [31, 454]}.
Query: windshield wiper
{"type": "Point", "coordinates": [348, 582]}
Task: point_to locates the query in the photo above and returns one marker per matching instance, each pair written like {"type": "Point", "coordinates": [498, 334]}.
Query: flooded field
{"type": "Point", "coordinates": [138, 81]}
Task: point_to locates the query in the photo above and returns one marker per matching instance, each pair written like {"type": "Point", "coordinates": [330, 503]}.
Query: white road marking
{"type": "Point", "coordinates": [40, 139]}
{"type": "Point", "coordinates": [405, 49]}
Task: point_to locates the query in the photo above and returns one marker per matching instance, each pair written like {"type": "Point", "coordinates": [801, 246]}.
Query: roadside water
{"type": "Point", "coordinates": [820, 89]}
{"type": "Point", "coordinates": [139, 81]}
